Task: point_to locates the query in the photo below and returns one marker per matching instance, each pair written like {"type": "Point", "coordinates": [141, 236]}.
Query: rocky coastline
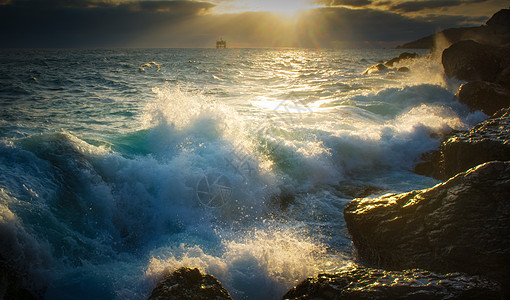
{"type": "Point", "coordinates": [451, 241]}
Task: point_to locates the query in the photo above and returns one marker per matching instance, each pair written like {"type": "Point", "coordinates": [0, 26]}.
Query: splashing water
{"type": "Point", "coordinates": [119, 166]}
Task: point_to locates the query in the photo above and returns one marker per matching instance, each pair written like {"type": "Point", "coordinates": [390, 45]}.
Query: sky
{"type": "Point", "coordinates": [243, 23]}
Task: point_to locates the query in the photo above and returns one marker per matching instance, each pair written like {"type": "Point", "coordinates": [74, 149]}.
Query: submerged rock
{"type": "Point", "coordinates": [189, 284]}
{"type": "Point", "coordinates": [485, 96]}
{"type": "Point", "coordinates": [461, 225]}
{"type": "Point", "coordinates": [366, 283]}
{"type": "Point", "coordinates": [469, 60]}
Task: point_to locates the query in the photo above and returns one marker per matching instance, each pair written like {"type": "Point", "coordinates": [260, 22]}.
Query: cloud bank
{"type": "Point", "coordinates": [187, 23]}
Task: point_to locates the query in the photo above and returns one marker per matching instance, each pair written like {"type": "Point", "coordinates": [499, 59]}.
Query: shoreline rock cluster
{"type": "Point", "coordinates": [382, 66]}
{"type": "Point", "coordinates": [463, 224]}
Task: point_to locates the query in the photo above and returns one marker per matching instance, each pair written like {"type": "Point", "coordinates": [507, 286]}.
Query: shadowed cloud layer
{"type": "Point", "coordinates": [124, 23]}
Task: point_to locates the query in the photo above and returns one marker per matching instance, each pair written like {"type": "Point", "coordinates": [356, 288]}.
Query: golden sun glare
{"type": "Point", "coordinates": [287, 7]}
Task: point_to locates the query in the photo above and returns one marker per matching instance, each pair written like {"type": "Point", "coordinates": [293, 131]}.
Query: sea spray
{"type": "Point", "coordinates": [112, 175]}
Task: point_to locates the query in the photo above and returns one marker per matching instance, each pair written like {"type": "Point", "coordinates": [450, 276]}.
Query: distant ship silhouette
{"type": "Point", "coordinates": [221, 44]}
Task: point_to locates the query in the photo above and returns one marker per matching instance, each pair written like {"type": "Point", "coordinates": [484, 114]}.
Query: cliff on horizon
{"type": "Point", "coordinates": [496, 31]}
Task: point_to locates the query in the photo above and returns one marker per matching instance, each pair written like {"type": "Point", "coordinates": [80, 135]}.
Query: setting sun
{"type": "Point", "coordinates": [287, 7]}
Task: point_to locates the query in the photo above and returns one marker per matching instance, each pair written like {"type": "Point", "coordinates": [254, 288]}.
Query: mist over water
{"type": "Point", "coordinates": [118, 166]}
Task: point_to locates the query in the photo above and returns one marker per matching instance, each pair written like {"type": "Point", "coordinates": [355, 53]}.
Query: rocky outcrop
{"type": "Point", "coordinates": [457, 226]}
{"type": "Point", "coordinates": [487, 67]}
{"type": "Point", "coordinates": [487, 141]}
{"type": "Point", "coordinates": [375, 68]}
{"type": "Point", "coordinates": [469, 60]}
{"type": "Point", "coordinates": [400, 58]}
{"type": "Point", "coordinates": [450, 36]}
{"type": "Point", "coordinates": [485, 96]}
{"type": "Point", "coordinates": [496, 32]}
{"type": "Point", "coordinates": [386, 66]}
{"type": "Point", "coordinates": [189, 284]}
{"type": "Point", "coordinates": [500, 22]}
{"type": "Point", "coordinates": [366, 283]}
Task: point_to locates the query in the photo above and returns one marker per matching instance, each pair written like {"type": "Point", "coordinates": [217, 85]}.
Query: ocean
{"type": "Point", "coordinates": [118, 166]}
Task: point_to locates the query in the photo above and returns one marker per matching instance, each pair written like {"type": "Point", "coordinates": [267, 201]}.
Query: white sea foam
{"type": "Point", "coordinates": [102, 198]}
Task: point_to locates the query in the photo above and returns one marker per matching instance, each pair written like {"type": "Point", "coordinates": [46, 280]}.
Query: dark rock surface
{"type": "Point", "coordinates": [500, 22]}
{"type": "Point", "coordinates": [460, 151]}
{"type": "Point", "coordinates": [11, 287]}
{"type": "Point", "coordinates": [504, 78]}
{"type": "Point", "coordinates": [461, 225]}
{"type": "Point", "coordinates": [487, 141]}
{"type": "Point", "coordinates": [485, 96]}
{"type": "Point", "coordinates": [469, 60]}
{"type": "Point", "coordinates": [400, 58]}
{"type": "Point", "coordinates": [189, 284]}
{"type": "Point", "coordinates": [366, 283]}
{"type": "Point", "coordinates": [482, 34]}
{"type": "Point", "coordinates": [387, 66]}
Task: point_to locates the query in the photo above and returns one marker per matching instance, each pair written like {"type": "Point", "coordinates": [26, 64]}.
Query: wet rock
{"type": "Point", "coordinates": [469, 60]}
{"type": "Point", "coordinates": [485, 96]}
{"type": "Point", "coordinates": [457, 226]}
{"type": "Point", "coordinates": [401, 57]}
{"type": "Point", "coordinates": [366, 283]}
{"type": "Point", "coordinates": [487, 141]}
{"type": "Point", "coordinates": [354, 190]}
{"type": "Point", "coordinates": [375, 68]}
{"type": "Point", "coordinates": [462, 150]}
{"type": "Point", "coordinates": [429, 164]}
{"type": "Point", "coordinates": [189, 284]}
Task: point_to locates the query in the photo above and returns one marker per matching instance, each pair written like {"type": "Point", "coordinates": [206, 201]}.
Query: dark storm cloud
{"type": "Point", "coordinates": [414, 6]}
{"type": "Point", "coordinates": [173, 6]}
{"type": "Point", "coordinates": [353, 3]}
{"type": "Point", "coordinates": [92, 23]}
{"type": "Point", "coordinates": [370, 26]}
{"type": "Point", "coordinates": [86, 23]}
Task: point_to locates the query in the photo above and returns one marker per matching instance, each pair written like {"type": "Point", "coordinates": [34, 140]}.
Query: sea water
{"type": "Point", "coordinates": [119, 166]}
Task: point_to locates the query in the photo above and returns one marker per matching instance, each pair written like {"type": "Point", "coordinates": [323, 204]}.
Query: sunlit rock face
{"type": "Point", "coordinates": [366, 283]}
{"type": "Point", "coordinates": [487, 141]}
{"type": "Point", "coordinates": [457, 226]}
{"type": "Point", "coordinates": [189, 284]}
